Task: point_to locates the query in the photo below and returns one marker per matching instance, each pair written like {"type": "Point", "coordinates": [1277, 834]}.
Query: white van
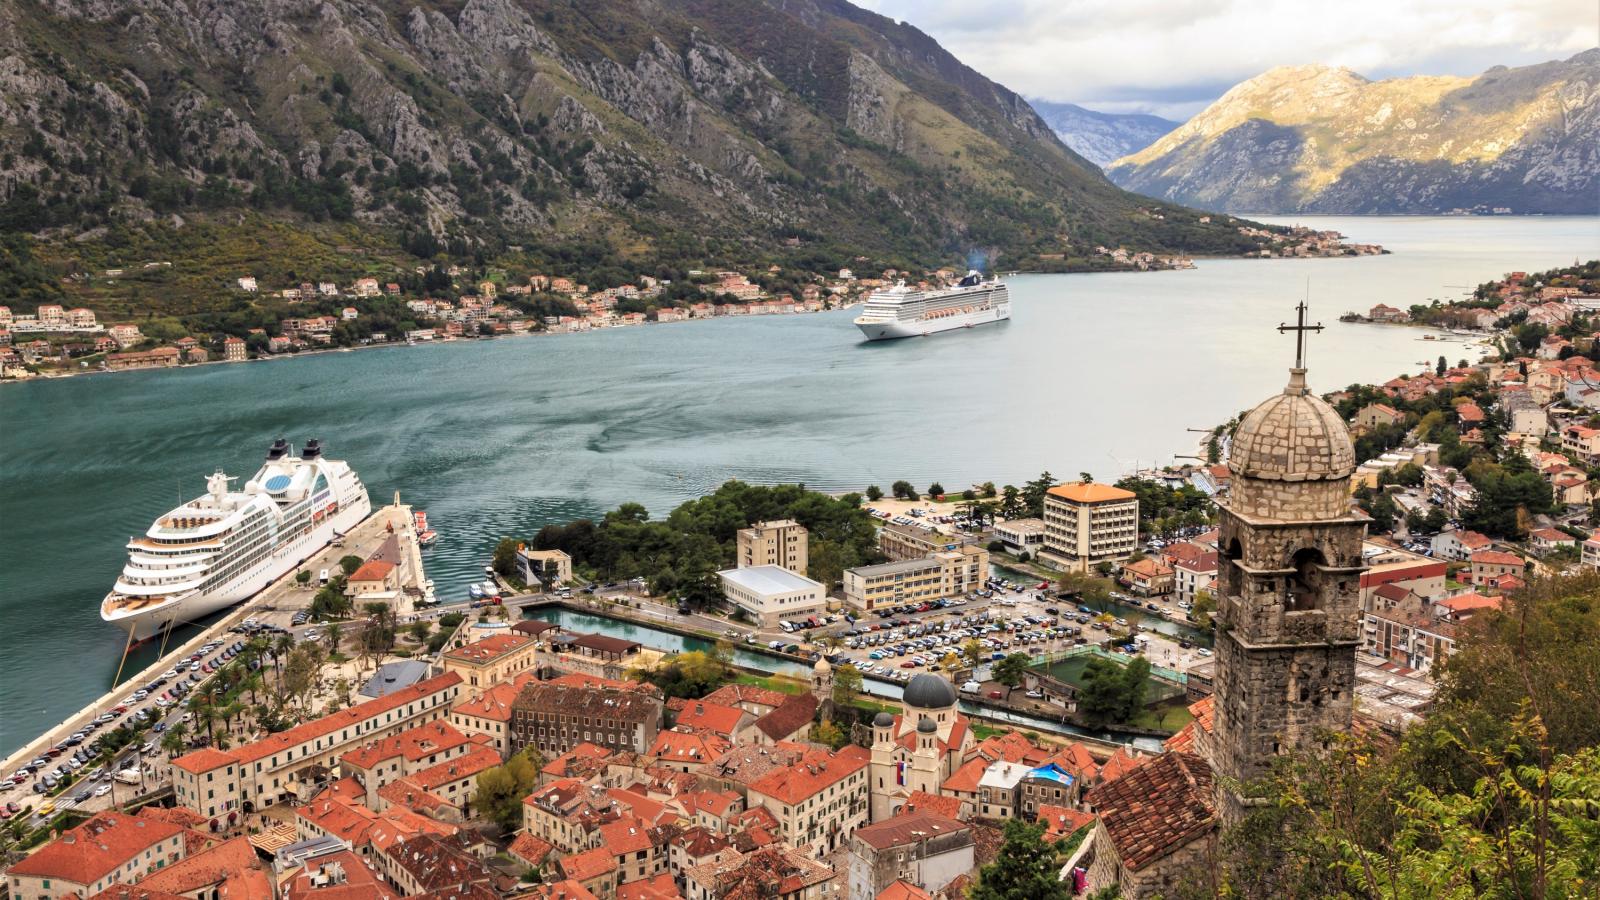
{"type": "Point", "coordinates": [324, 576]}
{"type": "Point", "coordinates": [971, 687]}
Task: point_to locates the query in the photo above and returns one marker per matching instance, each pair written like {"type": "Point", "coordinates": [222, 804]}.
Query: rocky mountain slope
{"type": "Point", "coordinates": [715, 130]}
{"type": "Point", "coordinates": [1101, 138]}
{"type": "Point", "coordinates": [1326, 140]}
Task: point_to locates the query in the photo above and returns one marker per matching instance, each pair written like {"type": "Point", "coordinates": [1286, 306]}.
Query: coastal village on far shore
{"type": "Point", "coordinates": [1039, 654]}
{"type": "Point", "coordinates": [55, 340]}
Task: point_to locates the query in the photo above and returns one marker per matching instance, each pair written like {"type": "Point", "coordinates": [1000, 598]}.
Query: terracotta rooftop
{"type": "Point", "coordinates": [494, 704]}
{"type": "Point", "coordinates": [310, 731]}
{"type": "Point", "coordinates": [530, 848]}
{"type": "Point", "coordinates": [133, 892]}
{"type": "Point", "coordinates": [699, 715]}
{"type": "Point", "coordinates": [229, 859]}
{"type": "Point", "coordinates": [376, 570]}
{"type": "Point", "coordinates": [413, 745]}
{"type": "Point", "coordinates": [940, 804]}
{"type": "Point", "coordinates": [966, 778]}
{"type": "Point", "coordinates": [436, 862]}
{"type": "Point", "coordinates": [626, 706]}
{"type": "Point", "coordinates": [467, 765]}
{"type": "Point", "coordinates": [579, 679]}
{"type": "Point", "coordinates": [661, 887]}
{"type": "Point", "coordinates": [747, 695]}
{"type": "Point", "coordinates": [489, 649]}
{"type": "Point", "coordinates": [816, 771]}
{"type": "Point", "coordinates": [1062, 821]}
{"type": "Point", "coordinates": [563, 890]}
{"type": "Point", "coordinates": [1496, 558]}
{"type": "Point", "coordinates": [682, 747]}
{"type": "Point", "coordinates": [907, 828]}
{"type": "Point", "coordinates": [1157, 807]}
{"type": "Point", "coordinates": [95, 849]}
{"type": "Point", "coordinates": [903, 890]}
{"type": "Point", "coordinates": [793, 714]}
{"type": "Point", "coordinates": [588, 864]}
{"type": "Point", "coordinates": [1090, 492]}
{"type": "Point", "coordinates": [747, 763]}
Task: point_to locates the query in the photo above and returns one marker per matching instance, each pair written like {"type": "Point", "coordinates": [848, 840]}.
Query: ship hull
{"type": "Point", "coordinates": [892, 330]}
{"type": "Point", "coordinates": [190, 607]}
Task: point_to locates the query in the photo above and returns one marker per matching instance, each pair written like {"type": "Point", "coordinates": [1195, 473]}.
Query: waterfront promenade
{"type": "Point", "coordinates": [276, 604]}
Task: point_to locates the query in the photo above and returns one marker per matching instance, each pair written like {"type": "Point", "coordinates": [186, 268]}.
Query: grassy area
{"type": "Point", "coordinates": [773, 683]}
{"type": "Point", "coordinates": [1171, 715]}
{"type": "Point", "coordinates": [984, 732]}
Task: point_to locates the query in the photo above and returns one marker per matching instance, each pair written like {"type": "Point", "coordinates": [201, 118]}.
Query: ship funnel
{"type": "Point", "coordinates": [312, 449]}
{"type": "Point", "coordinates": [278, 450]}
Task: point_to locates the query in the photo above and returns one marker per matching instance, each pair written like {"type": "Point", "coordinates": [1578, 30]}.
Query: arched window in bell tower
{"type": "Point", "coordinates": [1305, 585]}
{"type": "Point", "coordinates": [1231, 581]}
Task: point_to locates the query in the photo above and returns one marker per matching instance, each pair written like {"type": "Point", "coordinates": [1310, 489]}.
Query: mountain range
{"type": "Point", "coordinates": [625, 133]}
{"type": "Point", "coordinates": [1101, 138]}
{"type": "Point", "coordinates": [1318, 139]}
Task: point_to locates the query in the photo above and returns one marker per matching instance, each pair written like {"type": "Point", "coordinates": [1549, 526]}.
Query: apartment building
{"type": "Point", "coordinates": [489, 713]}
{"type": "Point", "coordinates": [921, 848]}
{"type": "Point", "coordinates": [1087, 523]}
{"type": "Point", "coordinates": [818, 800]}
{"type": "Point", "coordinates": [901, 542]}
{"type": "Point", "coordinates": [492, 660]}
{"type": "Point", "coordinates": [781, 542]}
{"type": "Point", "coordinates": [247, 778]}
{"type": "Point", "coordinates": [555, 718]}
{"type": "Point", "coordinates": [948, 573]}
{"type": "Point", "coordinates": [1021, 535]}
{"type": "Point", "coordinates": [108, 849]}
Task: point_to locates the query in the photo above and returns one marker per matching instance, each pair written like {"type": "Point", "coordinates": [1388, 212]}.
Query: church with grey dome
{"type": "Point", "coordinates": [918, 749]}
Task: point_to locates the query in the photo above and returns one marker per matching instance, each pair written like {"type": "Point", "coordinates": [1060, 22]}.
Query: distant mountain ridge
{"type": "Point", "coordinates": [1100, 137]}
{"type": "Point", "coordinates": [1317, 139]}
{"type": "Point", "coordinates": [632, 131]}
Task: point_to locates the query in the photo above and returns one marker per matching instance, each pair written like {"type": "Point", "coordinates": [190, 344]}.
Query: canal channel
{"type": "Point", "coordinates": [752, 658]}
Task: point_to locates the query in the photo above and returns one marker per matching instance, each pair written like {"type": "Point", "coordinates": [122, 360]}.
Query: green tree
{"type": "Point", "coordinates": [1205, 605]}
{"type": "Point", "coordinates": [826, 732]}
{"type": "Point", "coordinates": [969, 495]}
{"type": "Point", "coordinates": [847, 683]}
{"type": "Point", "coordinates": [903, 490]}
{"type": "Point", "coordinates": [334, 632]}
{"type": "Point", "coordinates": [505, 557]}
{"type": "Point", "coordinates": [302, 577]}
{"type": "Point", "coordinates": [350, 564]}
{"type": "Point", "coordinates": [874, 493]}
{"type": "Point", "coordinates": [1026, 868]}
{"type": "Point", "coordinates": [419, 630]}
{"type": "Point", "coordinates": [1033, 495]}
{"type": "Point", "coordinates": [987, 489]}
{"type": "Point", "coordinates": [1011, 503]}
{"type": "Point", "coordinates": [1009, 671]}
{"type": "Point", "coordinates": [973, 652]}
{"type": "Point", "coordinates": [501, 789]}
{"type": "Point", "coordinates": [935, 490]}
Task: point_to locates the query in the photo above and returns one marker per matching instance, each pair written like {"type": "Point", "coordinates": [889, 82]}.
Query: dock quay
{"type": "Point", "coordinates": [274, 605]}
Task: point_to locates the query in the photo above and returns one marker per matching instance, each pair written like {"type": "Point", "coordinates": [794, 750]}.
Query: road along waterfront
{"type": "Point", "coordinates": [274, 605]}
{"type": "Point", "coordinates": [1093, 373]}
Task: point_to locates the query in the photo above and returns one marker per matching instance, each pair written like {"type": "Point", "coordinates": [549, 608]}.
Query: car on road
{"type": "Point", "coordinates": [102, 790]}
{"type": "Point", "coordinates": [1035, 695]}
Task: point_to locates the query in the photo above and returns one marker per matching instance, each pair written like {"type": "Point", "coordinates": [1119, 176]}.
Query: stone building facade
{"type": "Point", "coordinates": [1288, 588]}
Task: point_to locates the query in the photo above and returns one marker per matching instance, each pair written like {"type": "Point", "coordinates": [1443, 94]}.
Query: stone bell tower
{"type": "Point", "coordinates": [1288, 608]}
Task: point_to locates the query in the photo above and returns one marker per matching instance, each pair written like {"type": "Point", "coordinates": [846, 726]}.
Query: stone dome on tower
{"type": "Point", "coordinates": [1293, 436]}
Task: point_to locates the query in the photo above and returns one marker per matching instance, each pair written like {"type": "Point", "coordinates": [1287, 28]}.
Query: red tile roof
{"type": "Point", "coordinates": [791, 716]}
{"type": "Point", "coordinates": [1121, 763]}
{"type": "Point", "coordinates": [682, 747]}
{"type": "Point", "coordinates": [96, 848]}
{"type": "Point", "coordinates": [310, 731]}
{"type": "Point", "coordinates": [490, 648]}
{"type": "Point", "coordinates": [413, 744]}
{"type": "Point", "coordinates": [907, 828]}
{"type": "Point", "coordinates": [375, 570]}
{"type": "Point", "coordinates": [816, 771]}
{"type": "Point", "coordinates": [736, 694]}
{"type": "Point", "coordinates": [714, 717]}
{"type": "Point", "coordinates": [1062, 821]}
{"type": "Point", "coordinates": [922, 801]}
{"type": "Point", "coordinates": [661, 887]}
{"type": "Point", "coordinates": [1157, 807]}
{"type": "Point", "coordinates": [347, 875]}
{"type": "Point", "coordinates": [903, 890]}
{"type": "Point", "coordinates": [208, 867]}
{"type": "Point", "coordinates": [588, 864]}
{"type": "Point", "coordinates": [466, 766]}
{"type": "Point", "coordinates": [1496, 558]}
{"type": "Point", "coordinates": [965, 779]}
{"type": "Point", "coordinates": [530, 848]}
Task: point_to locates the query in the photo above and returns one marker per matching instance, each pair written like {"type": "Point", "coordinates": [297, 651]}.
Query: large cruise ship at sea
{"type": "Point", "coordinates": [223, 547]}
{"type": "Point", "coordinates": [900, 312]}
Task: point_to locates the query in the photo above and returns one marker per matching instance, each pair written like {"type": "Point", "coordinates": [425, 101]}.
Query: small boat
{"type": "Point", "coordinates": [490, 589]}
{"type": "Point", "coordinates": [489, 571]}
{"type": "Point", "coordinates": [428, 538]}
{"type": "Point", "coordinates": [474, 591]}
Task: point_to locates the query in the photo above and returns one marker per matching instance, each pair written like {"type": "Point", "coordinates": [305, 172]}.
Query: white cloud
{"type": "Point", "coordinates": [1171, 57]}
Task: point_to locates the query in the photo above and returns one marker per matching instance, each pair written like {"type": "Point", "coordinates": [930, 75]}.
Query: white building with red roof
{"type": "Point", "coordinates": [109, 848]}
{"type": "Point", "coordinates": [908, 755]}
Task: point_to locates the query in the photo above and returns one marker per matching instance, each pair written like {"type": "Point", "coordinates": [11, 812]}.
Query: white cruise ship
{"type": "Point", "coordinates": [223, 547]}
{"type": "Point", "coordinates": [899, 312]}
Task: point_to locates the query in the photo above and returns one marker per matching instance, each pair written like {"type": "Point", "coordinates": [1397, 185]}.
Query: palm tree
{"type": "Point", "coordinates": [280, 650]}
{"type": "Point", "coordinates": [172, 741]}
{"type": "Point", "coordinates": [335, 632]}
{"type": "Point", "coordinates": [230, 712]}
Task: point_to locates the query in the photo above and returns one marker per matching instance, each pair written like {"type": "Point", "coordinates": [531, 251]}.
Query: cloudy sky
{"type": "Point", "coordinates": [1172, 57]}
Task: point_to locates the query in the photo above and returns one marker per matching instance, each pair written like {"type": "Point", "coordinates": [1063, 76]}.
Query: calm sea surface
{"type": "Point", "coordinates": [1093, 373]}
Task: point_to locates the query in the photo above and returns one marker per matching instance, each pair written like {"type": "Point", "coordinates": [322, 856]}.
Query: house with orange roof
{"type": "Point", "coordinates": [770, 871]}
{"type": "Point", "coordinates": [377, 763]}
{"type": "Point", "coordinates": [231, 869]}
{"type": "Point", "coordinates": [249, 777]}
{"type": "Point", "coordinates": [687, 751]}
{"type": "Point", "coordinates": [1464, 606]}
{"type": "Point", "coordinates": [1146, 577]}
{"type": "Point", "coordinates": [408, 794]}
{"type": "Point", "coordinates": [817, 799]}
{"type": "Point", "coordinates": [1487, 565]}
{"type": "Point", "coordinates": [566, 889]}
{"type": "Point", "coordinates": [947, 806]}
{"type": "Point", "coordinates": [1121, 763]}
{"type": "Point", "coordinates": [903, 890]}
{"type": "Point", "coordinates": [700, 716]}
{"type": "Point", "coordinates": [1062, 821]}
{"type": "Point", "coordinates": [456, 780]}
{"type": "Point", "coordinates": [1155, 823]}
{"type": "Point", "coordinates": [639, 847]}
{"type": "Point", "coordinates": [1546, 540]}
{"type": "Point", "coordinates": [963, 785]}
{"type": "Point", "coordinates": [492, 660]}
{"type": "Point", "coordinates": [426, 862]}
{"type": "Point", "coordinates": [595, 869]}
{"type": "Point", "coordinates": [110, 847]}
{"type": "Point", "coordinates": [375, 576]}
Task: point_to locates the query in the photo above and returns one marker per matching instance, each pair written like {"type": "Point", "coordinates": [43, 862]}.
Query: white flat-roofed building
{"type": "Point", "coordinates": [771, 594]}
{"type": "Point", "coordinates": [1021, 535]}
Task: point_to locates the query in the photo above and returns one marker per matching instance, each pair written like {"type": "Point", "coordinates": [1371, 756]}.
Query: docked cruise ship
{"type": "Point", "coordinates": [900, 312]}
{"type": "Point", "coordinates": [225, 546]}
